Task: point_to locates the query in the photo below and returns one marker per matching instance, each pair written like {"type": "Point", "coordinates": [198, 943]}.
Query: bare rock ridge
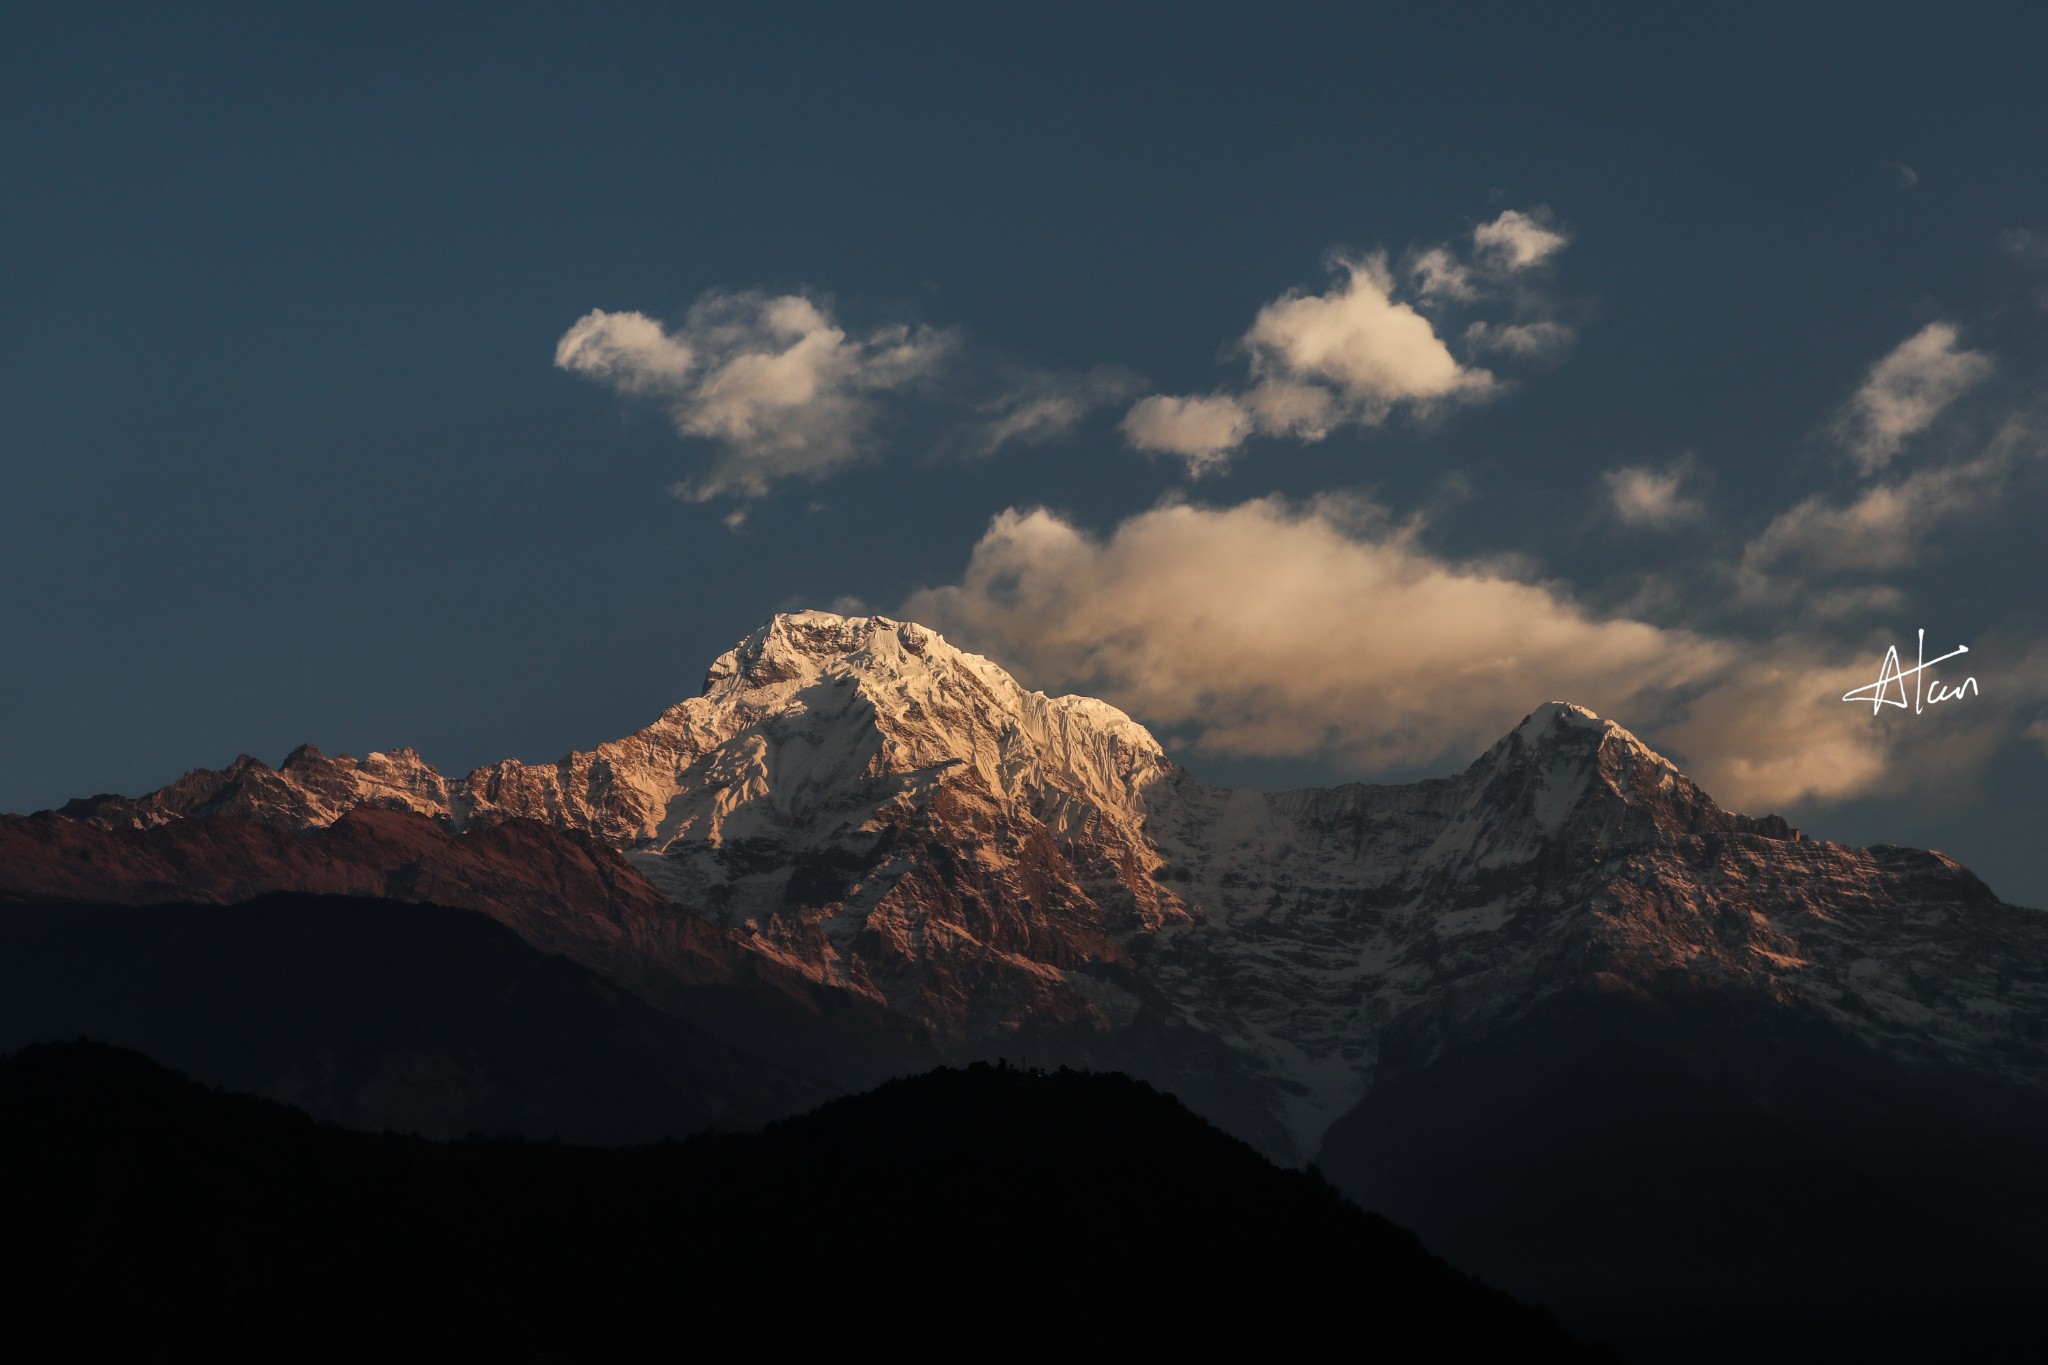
{"type": "Point", "coordinates": [858, 806]}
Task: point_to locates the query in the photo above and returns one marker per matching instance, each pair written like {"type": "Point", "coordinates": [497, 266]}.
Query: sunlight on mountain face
{"type": "Point", "coordinates": [858, 802]}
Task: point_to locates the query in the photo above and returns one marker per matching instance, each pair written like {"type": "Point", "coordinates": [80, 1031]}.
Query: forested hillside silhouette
{"type": "Point", "coordinates": [990, 1213]}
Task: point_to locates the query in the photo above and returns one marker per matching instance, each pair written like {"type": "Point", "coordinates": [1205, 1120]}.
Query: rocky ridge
{"type": "Point", "coordinates": [867, 806]}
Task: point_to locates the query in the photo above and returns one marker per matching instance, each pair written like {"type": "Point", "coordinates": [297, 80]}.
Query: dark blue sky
{"type": "Point", "coordinates": [287, 458]}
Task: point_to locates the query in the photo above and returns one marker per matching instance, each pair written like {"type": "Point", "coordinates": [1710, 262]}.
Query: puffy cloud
{"type": "Point", "coordinates": [629, 351]}
{"type": "Point", "coordinates": [1353, 353]}
{"type": "Point", "coordinates": [1039, 406]}
{"type": "Point", "coordinates": [1202, 431]}
{"type": "Point", "coordinates": [1642, 496]}
{"type": "Point", "coordinates": [1318, 361]}
{"type": "Point", "coordinates": [782, 389]}
{"type": "Point", "coordinates": [1515, 241]}
{"type": "Point", "coordinates": [1324, 629]}
{"type": "Point", "coordinates": [1284, 407]}
{"type": "Point", "coordinates": [1371, 350]}
{"type": "Point", "coordinates": [1905, 392]}
{"type": "Point", "coordinates": [1509, 245]}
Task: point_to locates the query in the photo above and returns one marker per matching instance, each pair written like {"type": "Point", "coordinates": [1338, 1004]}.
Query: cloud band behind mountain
{"type": "Point", "coordinates": [1324, 629]}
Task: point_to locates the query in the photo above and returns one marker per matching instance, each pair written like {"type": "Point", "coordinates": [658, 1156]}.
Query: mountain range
{"type": "Point", "coordinates": [1594, 1036]}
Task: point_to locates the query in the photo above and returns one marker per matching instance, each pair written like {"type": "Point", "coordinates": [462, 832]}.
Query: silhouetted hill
{"type": "Point", "coordinates": [378, 1014]}
{"type": "Point", "coordinates": [979, 1214]}
{"type": "Point", "coordinates": [1701, 1175]}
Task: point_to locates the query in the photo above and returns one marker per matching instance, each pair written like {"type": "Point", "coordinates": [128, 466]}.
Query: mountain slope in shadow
{"type": "Point", "coordinates": [560, 890]}
{"type": "Point", "coordinates": [986, 1214]}
{"type": "Point", "coordinates": [378, 1014]}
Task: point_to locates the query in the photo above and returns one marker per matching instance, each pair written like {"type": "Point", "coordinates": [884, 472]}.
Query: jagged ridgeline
{"type": "Point", "coordinates": [861, 849]}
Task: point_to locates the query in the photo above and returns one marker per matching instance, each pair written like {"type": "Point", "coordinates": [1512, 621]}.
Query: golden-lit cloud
{"type": "Point", "coordinates": [1353, 353]}
{"type": "Point", "coordinates": [1325, 629]}
{"type": "Point", "coordinates": [1203, 431]}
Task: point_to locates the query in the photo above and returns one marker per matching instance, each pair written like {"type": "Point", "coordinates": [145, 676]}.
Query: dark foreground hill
{"type": "Point", "coordinates": [1699, 1176]}
{"type": "Point", "coordinates": [961, 1215]}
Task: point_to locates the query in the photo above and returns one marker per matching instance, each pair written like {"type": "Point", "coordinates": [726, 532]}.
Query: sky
{"type": "Point", "coordinates": [1327, 386]}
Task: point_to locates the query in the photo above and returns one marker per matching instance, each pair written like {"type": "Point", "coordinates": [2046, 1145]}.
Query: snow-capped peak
{"type": "Point", "coordinates": [937, 701]}
{"type": "Point", "coordinates": [1552, 713]}
{"type": "Point", "coordinates": [1562, 732]}
{"type": "Point", "coordinates": [861, 800]}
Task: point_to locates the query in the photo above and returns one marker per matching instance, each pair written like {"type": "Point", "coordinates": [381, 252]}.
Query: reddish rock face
{"type": "Point", "coordinates": [562, 891]}
{"type": "Point", "coordinates": [858, 815]}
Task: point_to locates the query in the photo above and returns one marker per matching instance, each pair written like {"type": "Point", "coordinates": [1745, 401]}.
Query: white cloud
{"type": "Point", "coordinates": [781, 388]}
{"type": "Point", "coordinates": [1509, 245]}
{"type": "Point", "coordinates": [1355, 338]}
{"type": "Point", "coordinates": [1515, 241]}
{"type": "Point", "coordinates": [1322, 629]}
{"type": "Point", "coordinates": [1908, 177]}
{"type": "Point", "coordinates": [1352, 354]}
{"type": "Point", "coordinates": [629, 351]}
{"type": "Point", "coordinates": [1202, 431]}
{"type": "Point", "coordinates": [1905, 392]}
{"type": "Point", "coordinates": [1284, 407]}
{"type": "Point", "coordinates": [1041, 406]}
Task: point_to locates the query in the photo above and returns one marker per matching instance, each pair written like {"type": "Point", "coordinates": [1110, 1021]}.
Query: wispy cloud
{"type": "Point", "coordinates": [2030, 249]}
{"type": "Point", "coordinates": [1034, 407]}
{"type": "Point", "coordinates": [779, 388]}
{"type": "Point", "coordinates": [1640, 495]}
{"type": "Point", "coordinates": [1894, 523]}
{"type": "Point", "coordinates": [2024, 244]}
{"type": "Point", "coordinates": [1905, 392]}
{"type": "Point", "coordinates": [1519, 340]}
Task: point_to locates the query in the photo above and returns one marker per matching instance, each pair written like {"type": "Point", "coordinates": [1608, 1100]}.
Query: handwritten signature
{"type": "Point", "coordinates": [1890, 674]}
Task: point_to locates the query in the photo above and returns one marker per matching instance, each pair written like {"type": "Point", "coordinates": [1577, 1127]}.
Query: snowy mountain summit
{"type": "Point", "coordinates": [892, 816]}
